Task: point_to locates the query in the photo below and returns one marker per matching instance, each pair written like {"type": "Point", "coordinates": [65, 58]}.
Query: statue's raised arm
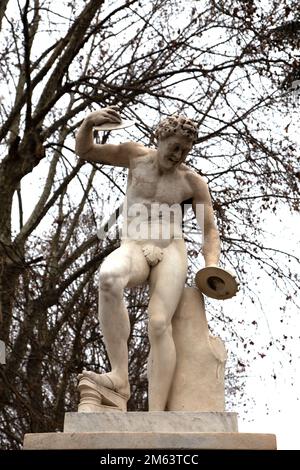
{"type": "Point", "coordinates": [109, 154]}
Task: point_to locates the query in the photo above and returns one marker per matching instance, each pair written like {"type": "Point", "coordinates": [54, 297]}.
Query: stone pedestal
{"type": "Point", "coordinates": [152, 430]}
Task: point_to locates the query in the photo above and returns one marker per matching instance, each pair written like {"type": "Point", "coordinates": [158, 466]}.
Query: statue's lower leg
{"type": "Point", "coordinates": [161, 367]}
{"type": "Point", "coordinates": [112, 388]}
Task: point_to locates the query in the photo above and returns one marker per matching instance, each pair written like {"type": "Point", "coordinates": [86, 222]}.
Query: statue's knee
{"type": "Point", "coordinates": [157, 326]}
{"type": "Point", "coordinates": [110, 283]}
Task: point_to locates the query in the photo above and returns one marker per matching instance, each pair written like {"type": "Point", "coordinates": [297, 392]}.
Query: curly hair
{"type": "Point", "coordinates": [177, 124]}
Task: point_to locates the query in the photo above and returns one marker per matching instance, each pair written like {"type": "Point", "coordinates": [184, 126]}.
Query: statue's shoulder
{"type": "Point", "coordinates": [192, 176]}
{"type": "Point", "coordinates": [142, 156]}
{"type": "Point", "coordinates": [135, 149]}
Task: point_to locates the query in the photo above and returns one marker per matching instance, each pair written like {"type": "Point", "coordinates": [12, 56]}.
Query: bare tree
{"type": "Point", "coordinates": [228, 64]}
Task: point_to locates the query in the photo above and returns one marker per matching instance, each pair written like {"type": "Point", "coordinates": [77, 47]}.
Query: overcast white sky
{"type": "Point", "coordinates": [274, 403]}
{"type": "Point", "coordinates": [277, 401]}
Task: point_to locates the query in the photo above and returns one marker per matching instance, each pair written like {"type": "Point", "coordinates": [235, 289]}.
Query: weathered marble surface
{"type": "Point", "coordinates": [174, 440]}
{"type": "Point", "coordinates": [152, 250]}
{"type": "Point", "coordinates": [152, 421]}
{"type": "Point", "coordinates": [198, 382]}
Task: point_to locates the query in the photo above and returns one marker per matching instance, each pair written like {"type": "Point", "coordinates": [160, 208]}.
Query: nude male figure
{"type": "Point", "coordinates": [156, 176]}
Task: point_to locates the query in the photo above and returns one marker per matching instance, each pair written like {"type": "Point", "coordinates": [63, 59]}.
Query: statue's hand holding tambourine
{"type": "Point", "coordinates": [217, 283]}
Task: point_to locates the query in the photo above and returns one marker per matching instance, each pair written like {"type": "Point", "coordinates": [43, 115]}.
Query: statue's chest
{"type": "Point", "coordinates": [147, 184]}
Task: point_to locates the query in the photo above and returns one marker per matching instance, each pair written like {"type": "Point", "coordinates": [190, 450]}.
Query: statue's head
{"type": "Point", "coordinates": [177, 125]}
{"type": "Point", "coordinates": [176, 136]}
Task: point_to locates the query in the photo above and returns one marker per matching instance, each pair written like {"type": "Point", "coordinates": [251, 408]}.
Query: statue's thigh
{"type": "Point", "coordinates": [127, 262]}
{"type": "Point", "coordinates": [168, 277]}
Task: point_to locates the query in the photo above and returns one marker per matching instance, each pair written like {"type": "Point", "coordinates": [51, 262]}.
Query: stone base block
{"type": "Point", "coordinates": [152, 421]}
{"type": "Point", "coordinates": [150, 430]}
{"type": "Point", "coordinates": [150, 440]}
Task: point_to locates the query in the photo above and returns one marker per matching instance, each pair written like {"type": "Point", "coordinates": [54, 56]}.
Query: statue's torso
{"type": "Point", "coordinates": [147, 185]}
{"type": "Point", "coordinates": [152, 205]}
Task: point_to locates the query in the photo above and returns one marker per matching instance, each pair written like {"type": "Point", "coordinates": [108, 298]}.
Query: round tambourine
{"type": "Point", "coordinates": [112, 126]}
{"type": "Point", "coordinates": [217, 283]}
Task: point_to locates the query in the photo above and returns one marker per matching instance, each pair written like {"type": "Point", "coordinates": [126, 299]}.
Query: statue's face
{"type": "Point", "coordinates": [172, 151]}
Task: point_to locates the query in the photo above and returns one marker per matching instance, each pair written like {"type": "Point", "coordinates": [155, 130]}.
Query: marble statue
{"type": "Point", "coordinates": [152, 250]}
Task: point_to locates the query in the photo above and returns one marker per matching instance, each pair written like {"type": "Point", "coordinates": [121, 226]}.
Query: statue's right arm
{"type": "Point", "coordinates": [109, 154]}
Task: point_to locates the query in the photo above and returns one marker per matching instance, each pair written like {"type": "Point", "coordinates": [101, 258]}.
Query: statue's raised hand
{"type": "Point", "coordinates": [104, 115]}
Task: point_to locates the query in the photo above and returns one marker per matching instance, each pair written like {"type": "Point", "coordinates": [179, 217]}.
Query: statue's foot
{"type": "Point", "coordinates": [102, 392]}
{"type": "Point", "coordinates": [109, 380]}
